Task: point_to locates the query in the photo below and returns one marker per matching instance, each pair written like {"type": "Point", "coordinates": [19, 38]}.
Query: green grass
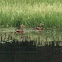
{"type": "Point", "coordinates": [31, 12]}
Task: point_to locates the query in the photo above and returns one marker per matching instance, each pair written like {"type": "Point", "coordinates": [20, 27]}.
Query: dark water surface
{"type": "Point", "coordinates": [29, 54]}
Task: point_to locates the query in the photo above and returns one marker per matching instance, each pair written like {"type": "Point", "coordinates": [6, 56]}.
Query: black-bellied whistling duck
{"type": "Point", "coordinates": [40, 28]}
{"type": "Point", "coordinates": [20, 31]}
{"type": "Point", "coordinates": [41, 25]}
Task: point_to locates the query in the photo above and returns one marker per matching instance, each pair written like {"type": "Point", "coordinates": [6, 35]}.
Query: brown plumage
{"type": "Point", "coordinates": [20, 31]}
{"type": "Point", "coordinates": [38, 28]}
